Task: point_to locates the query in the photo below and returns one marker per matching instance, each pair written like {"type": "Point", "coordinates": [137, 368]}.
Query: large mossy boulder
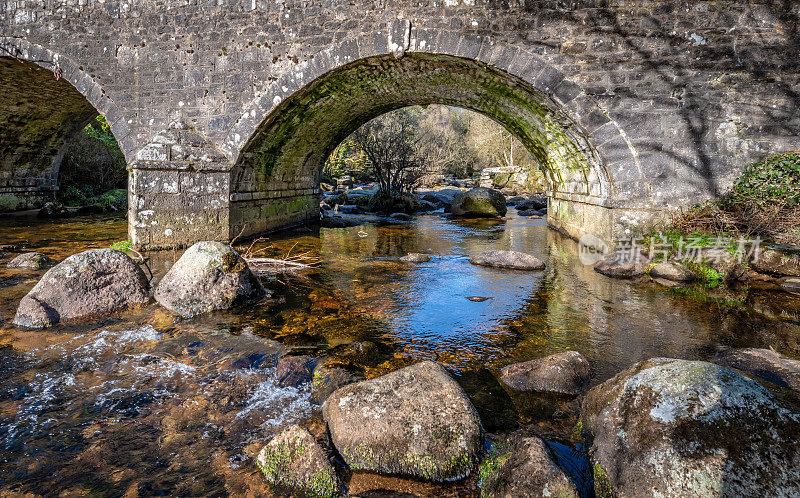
{"type": "Point", "coordinates": [564, 373]}
{"type": "Point", "coordinates": [294, 461]}
{"type": "Point", "coordinates": [669, 427]}
{"type": "Point", "coordinates": [208, 276]}
{"type": "Point", "coordinates": [479, 202]}
{"type": "Point", "coordinates": [93, 282]}
{"type": "Point", "coordinates": [524, 466]}
{"type": "Point", "coordinates": [416, 421]}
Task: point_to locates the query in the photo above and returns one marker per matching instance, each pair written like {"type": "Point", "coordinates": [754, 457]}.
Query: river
{"type": "Point", "coordinates": [142, 403]}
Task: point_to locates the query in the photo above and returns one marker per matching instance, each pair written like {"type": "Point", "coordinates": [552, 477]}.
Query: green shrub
{"type": "Point", "coordinates": [772, 182]}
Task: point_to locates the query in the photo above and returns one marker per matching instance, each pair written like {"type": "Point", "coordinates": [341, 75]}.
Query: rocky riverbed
{"type": "Point", "coordinates": [373, 374]}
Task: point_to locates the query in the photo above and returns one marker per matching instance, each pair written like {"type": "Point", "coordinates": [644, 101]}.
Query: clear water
{"type": "Point", "coordinates": [142, 403]}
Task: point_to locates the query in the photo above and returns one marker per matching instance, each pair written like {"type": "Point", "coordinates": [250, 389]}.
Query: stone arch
{"type": "Point", "coordinates": [43, 112]}
{"type": "Point", "coordinates": [265, 195]}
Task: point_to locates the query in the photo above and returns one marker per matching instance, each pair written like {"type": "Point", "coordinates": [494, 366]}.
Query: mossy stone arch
{"type": "Point", "coordinates": [282, 141]}
{"type": "Point", "coordinates": [47, 98]}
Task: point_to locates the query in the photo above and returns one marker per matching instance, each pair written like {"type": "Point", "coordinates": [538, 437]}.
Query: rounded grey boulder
{"type": "Point", "coordinates": [562, 373]}
{"type": "Point", "coordinates": [622, 264]}
{"type": "Point", "coordinates": [208, 276]}
{"type": "Point", "coordinates": [31, 261]}
{"type": "Point", "coordinates": [293, 459]}
{"type": "Point", "coordinates": [670, 270]}
{"type": "Point", "coordinates": [524, 466]}
{"type": "Point", "coordinates": [479, 202]}
{"type": "Point", "coordinates": [507, 259]}
{"type": "Point", "coordinates": [415, 421]}
{"type": "Point", "coordinates": [89, 283]}
{"type": "Point", "coordinates": [678, 428]}
{"type": "Point", "coordinates": [764, 364]}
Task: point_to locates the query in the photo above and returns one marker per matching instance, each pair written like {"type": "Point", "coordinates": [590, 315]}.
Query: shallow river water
{"type": "Point", "coordinates": [141, 403]}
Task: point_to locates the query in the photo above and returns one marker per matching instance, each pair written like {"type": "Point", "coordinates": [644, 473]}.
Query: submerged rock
{"type": "Point", "coordinates": [507, 259]}
{"type": "Point", "coordinates": [670, 270]}
{"type": "Point", "coordinates": [479, 202]}
{"type": "Point", "coordinates": [525, 466]}
{"type": "Point", "coordinates": [622, 264]}
{"type": "Point", "coordinates": [31, 261]}
{"type": "Point", "coordinates": [400, 216]}
{"type": "Point", "coordinates": [765, 364]}
{"type": "Point", "coordinates": [291, 371]}
{"type": "Point", "coordinates": [691, 428]}
{"type": "Point", "coordinates": [562, 373]}
{"type": "Point", "coordinates": [415, 421]}
{"type": "Point", "coordinates": [208, 276]}
{"type": "Point", "coordinates": [293, 459]}
{"type": "Point", "coordinates": [89, 283]}
{"type": "Point", "coordinates": [415, 257]}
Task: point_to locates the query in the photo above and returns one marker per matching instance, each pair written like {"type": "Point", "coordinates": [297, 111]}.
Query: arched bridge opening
{"type": "Point", "coordinates": [275, 181]}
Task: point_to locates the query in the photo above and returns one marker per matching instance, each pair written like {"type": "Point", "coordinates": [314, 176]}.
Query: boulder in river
{"type": "Point", "coordinates": [479, 202]}
{"type": "Point", "coordinates": [524, 466]}
{"type": "Point", "coordinates": [564, 373]}
{"type": "Point", "coordinates": [622, 264]}
{"type": "Point", "coordinates": [507, 259]}
{"type": "Point", "coordinates": [669, 427]}
{"type": "Point", "coordinates": [294, 460]}
{"type": "Point", "coordinates": [400, 216]}
{"type": "Point", "coordinates": [31, 261]}
{"type": "Point", "coordinates": [765, 364]}
{"type": "Point", "coordinates": [670, 270]}
{"type": "Point", "coordinates": [328, 379]}
{"type": "Point", "coordinates": [534, 203]}
{"type": "Point", "coordinates": [441, 197]}
{"type": "Point", "coordinates": [208, 276]}
{"type": "Point", "coordinates": [415, 421]}
{"type": "Point", "coordinates": [415, 257]}
{"type": "Point", "coordinates": [93, 282]}
{"type": "Point", "coordinates": [529, 213]}
{"type": "Point", "coordinates": [774, 262]}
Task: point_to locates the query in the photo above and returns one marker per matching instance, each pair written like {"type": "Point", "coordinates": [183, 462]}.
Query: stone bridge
{"type": "Point", "coordinates": [226, 109]}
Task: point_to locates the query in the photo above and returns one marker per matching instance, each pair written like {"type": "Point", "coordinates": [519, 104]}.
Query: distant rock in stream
{"type": "Point", "coordinates": [685, 428]}
{"type": "Point", "coordinates": [415, 257]}
{"type": "Point", "coordinates": [479, 202]}
{"type": "Point", "coordinates": [564, 373]}
{"type": "Point", "coordinates": [622, 264]}
{"type": "Point", "coordinates": [507, 259]}
{"type": "Point", "coordinates": [415, 421]}
{"type": "Point", "coordinates": [31, 261]}
{"type": "Point", "coordinates": [208, 276]}
{"type": "Point", "coordinates": [93, 282]}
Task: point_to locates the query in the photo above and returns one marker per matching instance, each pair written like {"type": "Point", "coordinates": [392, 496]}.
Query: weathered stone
{"type": "Point", "coordinates": [208, 276]}
{"type": "Point", "coordinates": [691, 428]}
{"type": "Point", "coordinates": [622, 264]}
{"type": "Point", "coordinates": [293, 459]}
{"type": "Point", "coordinates": [507, 259]}
{"type": "Point", "coordinates": [562, 373]}
{"type": "Point", "coordinates": [479, 202]}
{"type": "Point", "coordinates": [776, 263]}
{"type": "Point", "coordinates": [765, 364]}
{"type": "Point", "coordinates": [327, 380]}
{"type": "Point", "coordinates": [524, 466]}
{"type": "Point", "coordinates": [442, 197]}
{"type": "Point", "coordinates": [415, 421]}
{"type": "Point", "coordinates": [529, 212]}
{"type": "Point", "coordinates": [415, 257]}
{"type": "Point", "coordinates": [292, 371]}
{"type": "Point", "coordinates": [31, 261]}
{"type": "Point", "coordinates": [670, 270]}
{"type": "Point", "coordinates": [400, 216]}
{"type": "Point", "coordinates": [534, 203]}
{"type": "Point", "coordinates": [791, 284]}
{"type": "Point", "coordinates": [93, 282]}
{"type": "Point", "coordinates": [347, 209]}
